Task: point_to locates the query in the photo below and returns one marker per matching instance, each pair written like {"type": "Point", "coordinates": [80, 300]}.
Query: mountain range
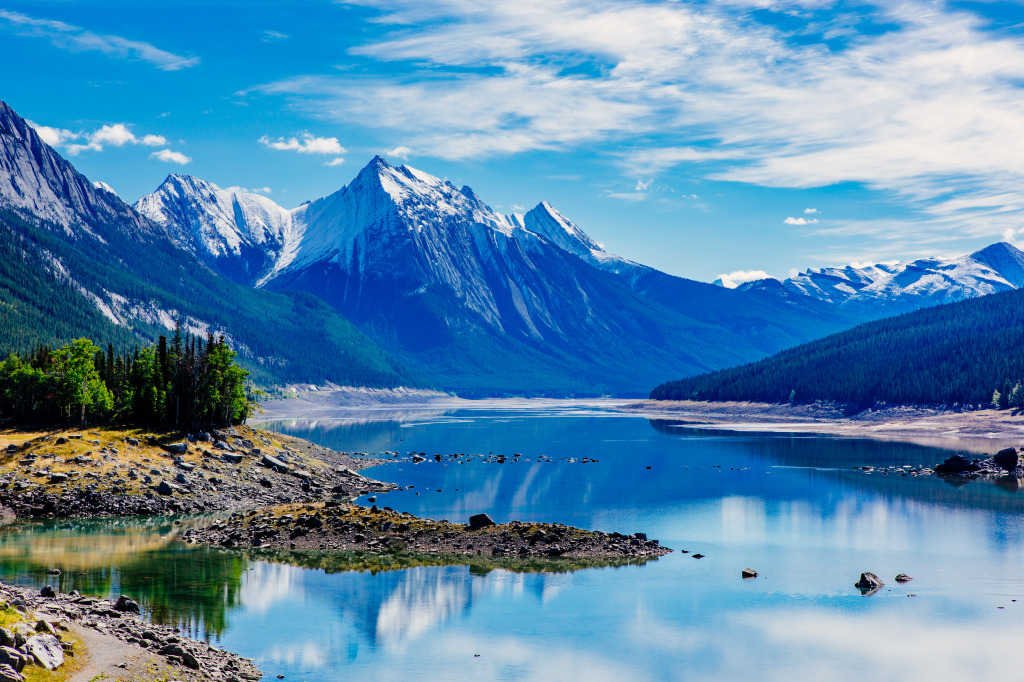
{"type": "Point", "coordinates": [897, 287]}
{"type": "Point", "coordinates": [487, 303]}
{"type": "Point", "coordinates": [401, 278]}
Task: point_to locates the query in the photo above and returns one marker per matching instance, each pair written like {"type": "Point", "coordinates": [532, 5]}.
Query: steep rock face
{"type": "Point", "coordinates": [241, 235]}
{"type": "Point", "coordinates": [35, 182]}
{"type": "Point", "coordinates": [75, 260]}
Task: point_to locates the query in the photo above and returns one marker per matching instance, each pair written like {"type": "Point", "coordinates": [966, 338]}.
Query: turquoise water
{"type": "Point", "coordinates": [791, 507]}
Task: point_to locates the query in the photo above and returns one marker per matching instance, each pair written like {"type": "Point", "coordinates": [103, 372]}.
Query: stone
{"type": "Point", "coordinates": [13, 657]}
{"type": "Point", "coordinates": [9, 674]}
{"type": "Point", "coordinates": [189, 661]}
{"type": "Point", "coordinates": [166, 488]}
{"type": "Point", "coordinates": [47, 651]}
{"type": "Point", "coordinates": [6, 637]}
{"type": "Point", "coordinates": [957, 464]}
{"type": "Point", "coordinates": [180, 478]}
{"type": "Point", "coordinates": [45, 627]}
{"type": "Point", "coordinates": [134, 442]}
{"type": "Point", "coordinates": [231, 458]}
{"type": "Point", "coordinates": [748, 573]}
{"type": "Point", "coordinates": [61, 440]}
{"type": "Point", "coordinates": [1006, 459]}
{"type": "Point", "coordinates": [176, 448]}
{"type": "Point", "coordinates": [869, 582]}
{"type": "Point", "coordinates": [127, 605]}
{"type": "Point", "coordinates": [58, 477]}
{"type": "Point", "coordinates": [54, 571]}
{"type": "Point", "coordinates": [47, 592]}
{"type": "Point", "coordinates": [186, 466]}
{"type": "Point", "coordinates": [478, 521]}
{"type": "Point", "coordinates": [416, 459]}
{"type": "Point", "coordinates": [903, 578]}
{"type": "Point", "coordinates": [274, 463]}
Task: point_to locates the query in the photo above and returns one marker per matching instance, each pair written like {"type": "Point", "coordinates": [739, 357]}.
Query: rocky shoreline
{"type": "Point", "coordinates": [333, 526]}
{"type": "Point", "coordinates": [115, 473]}
{"type": "Point", "coordinates": [45, 624]}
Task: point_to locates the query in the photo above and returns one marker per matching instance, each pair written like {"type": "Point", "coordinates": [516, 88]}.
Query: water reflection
{"type": "Point", "coordinates": [192, 588]}
{"type": "Point", "coordinates": [790, 507]}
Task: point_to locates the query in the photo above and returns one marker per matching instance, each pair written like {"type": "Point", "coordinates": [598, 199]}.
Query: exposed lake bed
{"type": "Point", "coordinates": [789, 506]}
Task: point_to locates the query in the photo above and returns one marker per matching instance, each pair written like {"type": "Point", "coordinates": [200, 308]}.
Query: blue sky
{"type": "Point", "coordinates": [701, 138]}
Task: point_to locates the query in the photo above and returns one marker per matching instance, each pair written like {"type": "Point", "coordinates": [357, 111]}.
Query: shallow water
{"type": "Point", "coordinates": [790, 507]}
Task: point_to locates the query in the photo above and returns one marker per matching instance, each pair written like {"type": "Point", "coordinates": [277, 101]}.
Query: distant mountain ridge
{"type": "Point", "coordinates": [891, 288]}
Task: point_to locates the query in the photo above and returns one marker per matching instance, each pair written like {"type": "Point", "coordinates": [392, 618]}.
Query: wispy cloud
{"type": "Point", "coordinates": [76, 38]}
{"type": "Point", "coordinates": [810, 210]}
{"type": "Point", "coordinates": [800, 221]}
{"type": "Point", "coordinates": [168, 156]}
{"type": "Point", "coordinates": [274, 36]}
{"type": "Point", "coordinates": [925, 105]}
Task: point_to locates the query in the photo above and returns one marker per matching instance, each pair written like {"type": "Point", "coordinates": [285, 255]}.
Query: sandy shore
{"type": "Point", "coordinates": [981, 431]}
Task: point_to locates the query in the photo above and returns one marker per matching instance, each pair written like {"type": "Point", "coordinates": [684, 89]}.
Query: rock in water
{"type": "Point", "coordinates": [478, 521]}
{"type": "Point", "coordinates": [903, 578]}
{"type": "Point", "coordinates": [47, 651]}
{"type": "Point", "coordinates": [749, 573]}
{"type": "Point", "coordinates": [957, 464]}
{"type": "Point", "coordinates": [1006, 459]}
{"type": "Point", "coordinates": [869, 582]}
{"type": "Point", "coordinates": [127, 605]}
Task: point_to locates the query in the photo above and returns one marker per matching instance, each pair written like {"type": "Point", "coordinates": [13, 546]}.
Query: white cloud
{"type": "Point", "coordinates": [305, 144]}
{"type": "Point", "coordinates": [337, 161]}
{"type": "Point", "coordinates": [731, 280]}
{"type": "Point", "coordinates": [810, 210]}
{"type": "Point", "coordinates": [168, 156]}
{"type": "Point", "coordinates": [927, 106]}
{"type": "Point", "coordinates": [399, 152]}
{"type": "Point", "coordinates": [110, 135]}
{"type": "Point", "coordinates": [78, 39]}
{"type": "Point", "coordinates": [800, 221]}
{"type": "Point", "coordinates": [54, 137]}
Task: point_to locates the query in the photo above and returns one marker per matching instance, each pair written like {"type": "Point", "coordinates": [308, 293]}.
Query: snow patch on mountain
{"type": "Point", "coordinates": [248, 232]}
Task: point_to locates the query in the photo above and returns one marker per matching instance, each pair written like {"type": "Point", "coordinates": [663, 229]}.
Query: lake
{"type": "Point", "coordinates": [791, 507]}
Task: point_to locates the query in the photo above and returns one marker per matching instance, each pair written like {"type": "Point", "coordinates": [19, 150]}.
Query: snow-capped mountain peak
{"type": "Point", "coordinates": [243, 232]}
{"type": "Point", "coordinates": [906, 285]}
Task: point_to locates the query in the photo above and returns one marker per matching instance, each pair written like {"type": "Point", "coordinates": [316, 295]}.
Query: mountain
{"type": "Point", "coordinates": [239, 234]}
{"type": "Point", "coordinates": [78, 261]}
{"type": "Point", "coordinates": [486, 303]}
{"type": "Point", "coordinates": [953, 354]}
{"type": "Point", "coordinates": [892, 288]}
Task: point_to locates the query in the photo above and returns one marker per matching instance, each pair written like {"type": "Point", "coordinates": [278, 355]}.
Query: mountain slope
{"type": "Point", "coordinates": [115, 275]}
{"type": "Point", "coordinates": [957, 353]}
{"type": "Point", "coordinates": [490, 303]}
{"type": "Point", "coordinates": [239, 234]}
{"type": "Point", "coordinates": [891, 288]}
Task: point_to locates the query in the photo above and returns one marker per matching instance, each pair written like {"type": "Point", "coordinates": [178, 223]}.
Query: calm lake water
{"type": "Point", "coordinates": [790, 507]}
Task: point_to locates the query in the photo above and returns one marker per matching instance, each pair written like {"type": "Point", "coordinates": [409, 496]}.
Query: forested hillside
{"type": "Point", "coordinates": [964, 353]}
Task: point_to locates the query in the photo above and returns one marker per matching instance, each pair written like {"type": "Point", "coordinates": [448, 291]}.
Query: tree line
{"type": "Point", "coordinates": [968, 354]}
{"type": "Point", "coordinates": [186, 384]}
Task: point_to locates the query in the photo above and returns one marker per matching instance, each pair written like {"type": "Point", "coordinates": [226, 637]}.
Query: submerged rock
{"type": "Point", "coordinates": [748, 573]}
{"type": "Point", "coordinates": [903, 578]}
